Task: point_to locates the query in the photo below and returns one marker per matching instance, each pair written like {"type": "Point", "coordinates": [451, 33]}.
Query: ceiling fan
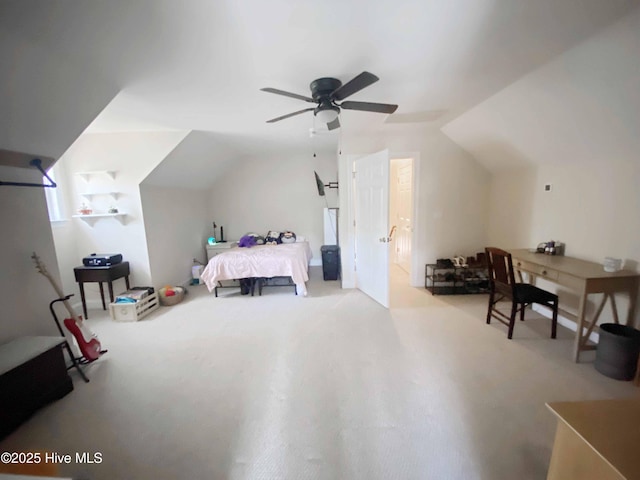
{"type": "Point", "coordinates": [327, 92]}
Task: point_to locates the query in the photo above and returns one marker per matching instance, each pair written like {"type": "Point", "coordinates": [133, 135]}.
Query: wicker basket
{"type": "Point", "coordinates": [173, 299]}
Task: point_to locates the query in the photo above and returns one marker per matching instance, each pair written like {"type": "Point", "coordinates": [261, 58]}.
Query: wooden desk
{"type": "Point", "coordinates": [585, 278]}
{"type": "Point", "coordinates": [101, 274]}
{"type": "Point", "coordinates": [596, 440]}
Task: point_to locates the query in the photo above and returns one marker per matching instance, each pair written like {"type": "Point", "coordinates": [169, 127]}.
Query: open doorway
{"type": "Point", "coordinates": [401, 212]}
{"type": "Point", "coordinates": [401, 221]}
{"type": "Point", "coordinates": [367, 254]}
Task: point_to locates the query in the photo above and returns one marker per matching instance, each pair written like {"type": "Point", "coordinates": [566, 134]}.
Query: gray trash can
{"type": "Point", "coordinates": [617, 351]}
{"type": "Point", "coordinates": [330, 261]}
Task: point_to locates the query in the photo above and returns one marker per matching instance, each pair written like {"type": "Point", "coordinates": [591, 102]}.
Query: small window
{"type": "Point", "coordinates": [54, 198]}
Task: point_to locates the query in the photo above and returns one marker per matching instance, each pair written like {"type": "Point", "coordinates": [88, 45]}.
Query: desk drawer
{"type": "Point", "coordinates": [537, 270]}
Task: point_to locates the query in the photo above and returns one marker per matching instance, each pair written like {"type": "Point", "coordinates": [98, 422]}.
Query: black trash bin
{"type": "Point", "coordinates": [617, 351]}
{"type": "Point", "coordinates": [330, 261]}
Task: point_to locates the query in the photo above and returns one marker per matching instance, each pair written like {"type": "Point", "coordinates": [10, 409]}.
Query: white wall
{"type": "Point", "coordinates": [132, 156]}
{"type": "Point", "coordinates": [511, 209]}
{"type": "Point", "coordinates": [573, 123]}
{"type": "Point", "coordinates": [593, 210]}
{"type": "Point", "coordinates": [176, 228]}
{"type": "Point", "coordinates": [275, 193]}
{"type": "Point", "coordinates": [26, 294]}
{"type": "Point", "coordinates": [452, 197]}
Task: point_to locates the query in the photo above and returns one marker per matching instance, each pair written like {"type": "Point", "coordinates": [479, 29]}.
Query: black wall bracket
{"type": "Point", "coordinates": [37, 163]}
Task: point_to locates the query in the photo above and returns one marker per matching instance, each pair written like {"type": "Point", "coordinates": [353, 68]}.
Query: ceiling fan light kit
{"type": "Point", "coordinates": [326, 92]}
{"type": "Point", "coordinates": [327, 115]}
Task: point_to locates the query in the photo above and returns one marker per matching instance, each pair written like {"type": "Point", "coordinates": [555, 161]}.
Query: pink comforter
{"type": "Point", "coordinates": [284, 260]}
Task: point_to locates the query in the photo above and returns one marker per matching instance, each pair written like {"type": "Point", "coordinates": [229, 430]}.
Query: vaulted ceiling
{"type": "Point", "coordinates": [199, 64]}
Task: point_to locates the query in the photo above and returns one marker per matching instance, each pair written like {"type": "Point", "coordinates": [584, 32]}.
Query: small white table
{"type": "Point", "coordinates": [218, 248]}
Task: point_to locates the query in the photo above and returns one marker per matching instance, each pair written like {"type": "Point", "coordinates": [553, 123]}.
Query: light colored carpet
{"type": "Point", "coordinates": [331, 386]}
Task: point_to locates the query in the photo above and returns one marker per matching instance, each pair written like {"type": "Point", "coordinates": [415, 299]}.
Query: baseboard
{"type": "Point", "coordinates": [91, 305]}
{"type": "Point", "coordinates": [564, 321]}
{"type": "Point", "coordinates": [77, 306]}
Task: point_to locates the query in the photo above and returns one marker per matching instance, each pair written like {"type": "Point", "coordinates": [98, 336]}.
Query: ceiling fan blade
{"type": "Point", "coordinates": [354, 85]}
{"type": "Point", "coordinates": [288, 94]}
{"type": "Point", "coordinates": [290, 115]}
{"type": "Point", "coordinates": [369, 107]}
{"type": "Point", "coordinates": [334, 124]}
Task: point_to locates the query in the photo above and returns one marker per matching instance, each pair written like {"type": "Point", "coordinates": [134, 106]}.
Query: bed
{"type": "Point", "coordinates": [261, 261]}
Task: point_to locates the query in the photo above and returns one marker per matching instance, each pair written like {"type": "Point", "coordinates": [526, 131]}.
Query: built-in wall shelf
{"type": "Point", "coordinates": [86, 176]}
{"type": "Point", "coordinates": [89, 195]}
{"type": "Point", "coordinates": [92, 217]}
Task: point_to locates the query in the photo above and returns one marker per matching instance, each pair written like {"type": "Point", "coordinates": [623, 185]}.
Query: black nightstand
{"type": "Point", "coordinates": [100, 275]}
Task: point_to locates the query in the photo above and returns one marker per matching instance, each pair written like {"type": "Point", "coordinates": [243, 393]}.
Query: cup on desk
{"type": "Point", "coordinates": [612, 264]}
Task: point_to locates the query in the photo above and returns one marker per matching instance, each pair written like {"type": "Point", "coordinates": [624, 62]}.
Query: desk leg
{"type": "Point", "coordinates": [104, 307]}
{"type": "Point", "coordinates": [579, 326]}
{"type": "Point", "coordinates": [111, 291]}
{"type": "Point", "coordinates": [84, 301]}
{"type": "Point", "coordinates": [126, 282]}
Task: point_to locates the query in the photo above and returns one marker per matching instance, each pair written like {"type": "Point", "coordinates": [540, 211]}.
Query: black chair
{"type": "Point", "coordinates": [502, 284]}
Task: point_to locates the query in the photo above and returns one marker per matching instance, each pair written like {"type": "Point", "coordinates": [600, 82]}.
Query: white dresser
{"type": "Point", "coordinates": [217, 248]}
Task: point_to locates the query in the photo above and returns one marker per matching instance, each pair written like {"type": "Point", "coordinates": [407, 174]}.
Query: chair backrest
{"type": "Point", "coordinates": [500, 266]}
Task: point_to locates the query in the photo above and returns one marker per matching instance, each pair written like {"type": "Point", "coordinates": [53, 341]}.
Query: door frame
{"type": "Point", "coordinates": [347, 240]}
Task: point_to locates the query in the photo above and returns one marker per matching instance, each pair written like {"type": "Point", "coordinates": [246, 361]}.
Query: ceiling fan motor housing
{"type": "Point", "coordinates": [322, 88]}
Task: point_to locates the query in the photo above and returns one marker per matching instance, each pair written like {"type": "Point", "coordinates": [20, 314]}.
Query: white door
{"type": "Point", "coordinates": [372, 225]}
{"type": "Point", "coordinates": [405, 212]}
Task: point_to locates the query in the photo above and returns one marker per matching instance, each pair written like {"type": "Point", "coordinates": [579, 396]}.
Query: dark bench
{"type": "Point", "coordinates": [33, 373]}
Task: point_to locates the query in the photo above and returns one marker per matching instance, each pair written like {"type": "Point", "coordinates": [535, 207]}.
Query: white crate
{"type": "Point", "coordinates": [132, 312]}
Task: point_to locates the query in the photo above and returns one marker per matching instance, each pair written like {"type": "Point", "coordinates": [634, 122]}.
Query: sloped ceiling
{"type": "Point", "coordinates": [198, 65]}
{"type": "Point", "coordinates": [582, 107]}
{"type": "Point", "coordinates": [46, 101]}
{"type": "Point", "coordinates": [198, 152]}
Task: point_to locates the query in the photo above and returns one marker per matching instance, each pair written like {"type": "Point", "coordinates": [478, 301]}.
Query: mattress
{"type": "Point", "coordinates": [284, 260]}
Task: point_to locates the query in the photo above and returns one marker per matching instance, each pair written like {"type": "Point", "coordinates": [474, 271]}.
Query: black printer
{"type": "Point", "coordinates": [102, 259]}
